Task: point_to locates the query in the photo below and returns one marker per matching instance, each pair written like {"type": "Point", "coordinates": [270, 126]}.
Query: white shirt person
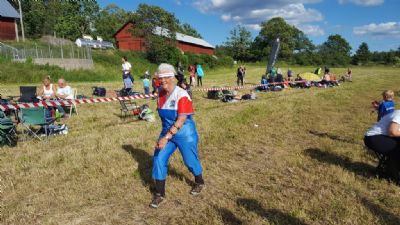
{"type": "Point", "coordinates": [63, 90]}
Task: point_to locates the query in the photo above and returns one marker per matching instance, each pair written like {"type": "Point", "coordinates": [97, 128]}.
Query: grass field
{"type": "Point", "coordinates": [304, 163]}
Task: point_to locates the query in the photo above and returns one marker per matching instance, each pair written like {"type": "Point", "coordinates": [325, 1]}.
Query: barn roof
{"type": "Point", "coordinates": [179, 36]}
{"type": "Point", "coordinates": [6, 10]}
{"type": "Point", "coordinates": [184, 37]}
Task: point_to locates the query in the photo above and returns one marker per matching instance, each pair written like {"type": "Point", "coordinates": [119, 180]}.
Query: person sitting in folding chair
{"type": "Point", "coordinates": [64, 92]}
{"type": "Point", "coordinates": [48, 90]}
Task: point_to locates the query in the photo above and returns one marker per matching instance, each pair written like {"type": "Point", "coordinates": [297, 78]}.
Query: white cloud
{"type": "Point", "coordinates": [379, 30]}
{"type": "Point", "coordinates": [363, 2]}
{"type": "Point", "coordinates": [178, 2]}
{"type": "Point", "coordinates": [251, 13]}
{"type": "Point", "coordinates": [312, 30]}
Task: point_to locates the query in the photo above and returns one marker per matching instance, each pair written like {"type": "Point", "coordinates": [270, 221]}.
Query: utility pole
{"type": "Point", "coordinates": [21, 20]}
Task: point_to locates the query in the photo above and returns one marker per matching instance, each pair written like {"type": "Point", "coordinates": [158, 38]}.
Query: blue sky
{"type": "Point", "coordinates": [376, 22]}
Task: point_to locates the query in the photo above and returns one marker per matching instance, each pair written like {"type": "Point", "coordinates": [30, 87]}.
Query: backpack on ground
{"type": "Point", "coordinates": [214, 94]}
{"type": "Point", "coordinates": [99, 91]}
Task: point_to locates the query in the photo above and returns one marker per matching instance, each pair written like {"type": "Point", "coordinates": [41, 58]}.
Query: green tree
{"type": "Point", "coordinates": [158, 27]}
{"type": "Point", "coordinates": [335, 51]}
{"type": "Point", "coordinates": [259, 49]}
{"type": "Point", "coordinates": [34, 17]}
{"type": "Point", "coordinates": [109, 20]}
{"type": "Point", "coordinates": [239, 42]}
{"type": "Point", "coordinates": [189, 30]}
{"type": "Point", "coordinates": [76, 19]}
{"type": "Point", "coordinates": [362, 55]}
{"type": "Point", "coordinates": [69, 19]}
{"type": "Point", "coordinates": [291, 38]}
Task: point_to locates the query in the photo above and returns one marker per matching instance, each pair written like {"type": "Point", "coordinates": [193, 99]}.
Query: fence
{"type": "Point", "coordinates": [68, 57]}
{"type": "Point", "coordinates": [42, 51]}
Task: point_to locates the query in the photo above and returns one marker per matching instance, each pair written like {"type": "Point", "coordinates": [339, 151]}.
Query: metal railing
{"type": "Point", "coordinates": [49, 51]}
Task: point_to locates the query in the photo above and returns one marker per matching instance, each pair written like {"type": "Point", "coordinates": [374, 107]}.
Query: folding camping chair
{"type": "Point", "coordinates": [28, 94]}
{"type": "Point", "coordinates": [128, 107]}
{"type": "Point", "coordinates": [35, 117]}
{"type": "Point", "coordinates": [8, 134]}
{"type": "Point", "coordinates": [73, 106]}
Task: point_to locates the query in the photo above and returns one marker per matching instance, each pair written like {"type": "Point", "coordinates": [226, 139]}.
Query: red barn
{"type": "Point", "coordinates": [127, 42]}
{"type": "Point", "coordinates": [8, 18]}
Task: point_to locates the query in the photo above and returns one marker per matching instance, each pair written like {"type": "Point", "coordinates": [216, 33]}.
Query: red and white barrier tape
{"type": "Point", "coordinates": [70, 102]}
{"type": "Point", "coordinates": [135, 97]}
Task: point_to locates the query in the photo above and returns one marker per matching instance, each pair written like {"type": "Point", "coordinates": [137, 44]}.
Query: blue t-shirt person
{"type": "Point", "coordinates": [385, 108]}
{"type": "Point", "coordinates": [264, 83]}
{"type": "Point", "coordinates": [146, 85]}
{"type": "Point", "coordinates": [128, 82]}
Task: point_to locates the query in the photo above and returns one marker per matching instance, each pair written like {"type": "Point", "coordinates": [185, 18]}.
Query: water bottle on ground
{"type": "Point", "coordinates": [58, 115]}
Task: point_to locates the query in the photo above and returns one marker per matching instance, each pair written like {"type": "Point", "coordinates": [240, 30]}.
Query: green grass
{"type": "Point", "coordinates": [305, 163]}
{"type": "Point", "coordinates": [107, 68]}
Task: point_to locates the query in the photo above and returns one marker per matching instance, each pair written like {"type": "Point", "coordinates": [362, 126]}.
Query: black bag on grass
{"type": "Point", "coordinates": [99, 91]}
{"type": "Point", "coordinates": [214, 94]}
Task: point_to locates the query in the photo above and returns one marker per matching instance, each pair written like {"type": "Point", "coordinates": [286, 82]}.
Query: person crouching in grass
{"type": "Point", "coordinates": [386, 106]}
{"type": "Point", "coordinates": [178, 131]}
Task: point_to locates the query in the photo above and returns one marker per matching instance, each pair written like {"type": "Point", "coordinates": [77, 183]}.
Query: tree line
{"type": "Point", "coordinates": [72, 19]}
{"type": "Point", "coordinates": [297, 48]}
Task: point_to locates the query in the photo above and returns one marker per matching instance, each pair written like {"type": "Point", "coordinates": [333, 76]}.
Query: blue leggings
{"type": "Point", "coordinates": [188, 149]}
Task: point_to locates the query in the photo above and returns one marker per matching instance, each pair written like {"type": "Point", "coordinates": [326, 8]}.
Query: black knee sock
{"type": "Point", "coordinates": [160, 187]}
{"type": "Point", "coordinates": [199, 179]}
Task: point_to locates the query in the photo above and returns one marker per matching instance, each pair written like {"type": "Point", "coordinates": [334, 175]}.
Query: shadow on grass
{"type": "Point", "coordinates": [358, 168]}
{"type": "Point", "coordinates": [273, 216]}
{"type": "Point", "coordinates": [384, 216]}
{"type": "Point", "coordinates": [145, 161]}
{"type": "Point", "coordinates": [333, 137]}
{"type": "Point", "coordinates": [126, 117]}
{"type": "Point", "coordinates": [228, 217]}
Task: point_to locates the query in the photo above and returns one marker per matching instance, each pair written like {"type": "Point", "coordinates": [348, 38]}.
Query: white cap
{"type": "Point", "coordinates": [167, 74]}
{"type": "Point", "coordinates": [165, 70]}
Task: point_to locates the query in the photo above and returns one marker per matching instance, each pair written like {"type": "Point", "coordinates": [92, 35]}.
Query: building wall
{"type": "Point", "coordinates": [187, 47]}
{"type": "Point", "coordinates": [7, 29]}
{"type": "Point", "coordinates": [127, 42]}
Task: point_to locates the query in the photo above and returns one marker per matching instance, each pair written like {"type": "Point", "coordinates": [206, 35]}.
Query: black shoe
{"type": "Point", "coordinates": [157, 201]}
{"type": "Point", "coordinates": [197, 189]}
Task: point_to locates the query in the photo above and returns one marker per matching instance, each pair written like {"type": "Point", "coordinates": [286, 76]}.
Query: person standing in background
{"type": "Point", "coordinates": [200, 75]}
{"type": "Point", "coordinates": [289, 74]}
{"type": "Point", "coordinates": [146, 84]}
{"type": "Point", "coordinates": [155, 83]}
{"type": "Point", "coordinates": [239, 75]}
{"type": "Point", "coordinates": [192, 71]}
{"type": "Point", "coordinates": [180, 76]}
{"type": "Point", "coordinates": [127, 84]}
{"type": "Point", "coordinates": [126, 69]}
{"type": "Point", "coordinates": [244, 74]}
{"type": "Point", "coordinates": [349, 73]}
